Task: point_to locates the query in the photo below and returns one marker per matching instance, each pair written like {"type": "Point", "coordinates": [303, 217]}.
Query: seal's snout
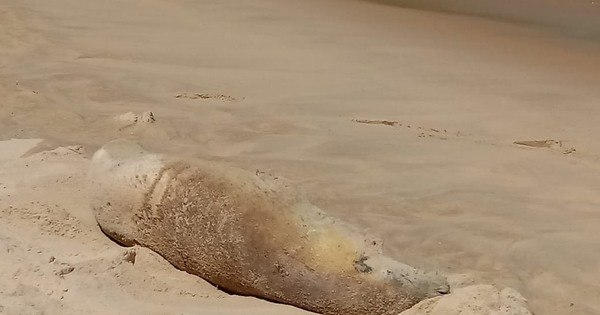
{"type": "Point", "coordinates": [443, 289]}
{"type": "Point", "coordinates": [434, 285]}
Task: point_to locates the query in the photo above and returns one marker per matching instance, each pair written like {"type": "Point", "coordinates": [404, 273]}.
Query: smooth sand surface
{"type": "Point", "coordinates": [578, 18]}
{"type": "Point", "coordinates": [400, 121]}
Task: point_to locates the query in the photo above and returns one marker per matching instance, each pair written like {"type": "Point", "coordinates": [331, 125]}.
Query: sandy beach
{"type": "Point", "coordinates": [467, 143]}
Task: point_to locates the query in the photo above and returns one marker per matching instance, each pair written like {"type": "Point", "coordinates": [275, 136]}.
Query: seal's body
{"type": "Point", "coordinates": [248, 234]}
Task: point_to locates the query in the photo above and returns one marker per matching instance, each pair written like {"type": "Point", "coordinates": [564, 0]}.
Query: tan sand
{"type": "Point", "coordinates": [281, 87]}
{"type": "Point", "coordinates": [578, 18]}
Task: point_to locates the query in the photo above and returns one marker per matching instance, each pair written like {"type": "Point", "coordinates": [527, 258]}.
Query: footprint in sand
{"type": "Point", "coordinates": [207, 96]}
{"type": "Point", "coordinates": [423, 132]}
{"type": "Point", "coordinates": [132, 119]}
{"type": "Point", "coordinates": [539, 143]}
{"type": "Point", "coordinates": [550, 144]}
{"type": "Point", "coordinates": [443, 134]}
{"type": "Point", "coordinates": [376, 122]}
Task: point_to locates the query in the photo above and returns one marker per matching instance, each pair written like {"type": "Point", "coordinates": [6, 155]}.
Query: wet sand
{"type": "Point", "coordinates": [282, 87]}
{"type": "Point", "coordinates": [577, 18]}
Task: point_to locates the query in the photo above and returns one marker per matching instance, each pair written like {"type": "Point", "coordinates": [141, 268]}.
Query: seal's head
{"type": "Point", "coordinates": [121, 174]}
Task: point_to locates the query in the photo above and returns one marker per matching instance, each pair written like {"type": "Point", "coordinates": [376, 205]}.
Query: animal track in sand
{"type": "Point", "coordinates": [207, 96]}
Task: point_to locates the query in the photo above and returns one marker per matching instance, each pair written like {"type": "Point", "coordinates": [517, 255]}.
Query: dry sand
{"type": "Point", "coordinates": [400, 121]}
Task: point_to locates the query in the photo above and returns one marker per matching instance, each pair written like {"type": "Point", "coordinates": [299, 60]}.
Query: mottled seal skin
{"type": "Point", "coordinates": [248, 234]}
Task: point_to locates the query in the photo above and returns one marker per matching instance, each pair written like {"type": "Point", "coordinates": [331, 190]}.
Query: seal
{"type": "Point", "coordinates": [248, 234]}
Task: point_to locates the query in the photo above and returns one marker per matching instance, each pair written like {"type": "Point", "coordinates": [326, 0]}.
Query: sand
{"type": "Point", "coordinates": [467, 144]}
